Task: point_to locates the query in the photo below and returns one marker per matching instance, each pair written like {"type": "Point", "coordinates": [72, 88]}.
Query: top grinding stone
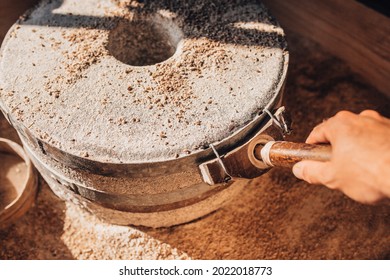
{"type": "Point", "coordinates": [129, 81]}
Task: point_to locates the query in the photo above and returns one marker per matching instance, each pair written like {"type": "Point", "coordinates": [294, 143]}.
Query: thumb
{"type": "Point", "coordinates": [313, 172]}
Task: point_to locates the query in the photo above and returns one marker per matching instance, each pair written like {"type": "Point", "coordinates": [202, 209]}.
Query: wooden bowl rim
{"type": "Point", "coordinates": [26, 197]}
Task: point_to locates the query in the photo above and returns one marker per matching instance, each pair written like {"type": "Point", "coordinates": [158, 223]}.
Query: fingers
{"type": "Point", "coordinates": [327, 130]}
{"type": "Point", "coordinates": [318, 134]}
{"type": "Point", "coordinates": [313, 172]}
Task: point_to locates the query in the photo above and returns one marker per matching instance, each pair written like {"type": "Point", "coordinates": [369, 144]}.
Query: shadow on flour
{"type": "Point", "coordinates": [222, 25]}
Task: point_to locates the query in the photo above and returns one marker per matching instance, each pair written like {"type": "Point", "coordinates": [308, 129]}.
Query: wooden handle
{"type": "Point", "coordinates": [286, 154]}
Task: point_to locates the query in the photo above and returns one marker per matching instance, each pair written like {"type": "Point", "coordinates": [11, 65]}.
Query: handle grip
{"type": "Point", "coordinates": [286, 154]}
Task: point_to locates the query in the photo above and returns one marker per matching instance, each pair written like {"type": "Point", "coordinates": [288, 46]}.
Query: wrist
{"type": "Point", "coordinates": [383, 181]}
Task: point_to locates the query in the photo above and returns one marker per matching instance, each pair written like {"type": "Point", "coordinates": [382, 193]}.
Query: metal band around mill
{"type": "Point", "coordinates": [228, 176]}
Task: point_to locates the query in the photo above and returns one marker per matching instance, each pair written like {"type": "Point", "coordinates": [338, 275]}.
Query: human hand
{"type": "Point", "coordinates": [360, 162]}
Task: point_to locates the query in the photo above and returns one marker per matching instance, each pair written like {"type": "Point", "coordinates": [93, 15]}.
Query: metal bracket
{"type": "Point", "coordinates": [237, 164]}
{"type": "Point", "coordinates": [228, 176]}
{"type": "Point", "coordinates": [279, 121]}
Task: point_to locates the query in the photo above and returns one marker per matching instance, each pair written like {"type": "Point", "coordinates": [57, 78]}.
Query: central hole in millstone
{"type": "Point", "coordinates": [144, 42]}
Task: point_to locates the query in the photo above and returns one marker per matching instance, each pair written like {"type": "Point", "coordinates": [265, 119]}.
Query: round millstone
{"type": "Point", "coordinates": [128, 81]}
